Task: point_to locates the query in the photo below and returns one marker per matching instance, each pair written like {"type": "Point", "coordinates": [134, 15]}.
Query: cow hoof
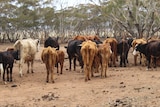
{"type": "Point", "coordinates": [52, 81]}
{"type": "Point", "coordinates": [46, 81]}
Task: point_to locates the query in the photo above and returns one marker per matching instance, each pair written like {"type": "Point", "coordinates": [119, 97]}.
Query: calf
{"type": "Point", "coordinates": [104, 50]}
{"type": "Point", "coordinates": [7, 60]}
{"type": "Point", "coordinates": [60, 60]}
{"type": "Point", "coordinates": [49, 57]}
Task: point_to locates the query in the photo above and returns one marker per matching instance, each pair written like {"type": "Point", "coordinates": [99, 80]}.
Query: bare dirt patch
{"type": "Point", "coordinates": [132, 86]}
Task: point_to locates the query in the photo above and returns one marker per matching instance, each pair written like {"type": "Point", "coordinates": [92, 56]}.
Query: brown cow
{"type": "Point", "coordinates": [60, 60]}
{"type": "Point", "coordinates": [142, 57]}
{"type": "Point", "coordinates": [88, 51]}
{"type": "Point", "coordinates": [113, 43]}
{"type": "Point", "coordinates": [104, 50]}
{"type": "Point", "coordinates": [80, 37]}
{"type": "Point", "coordinates": [49, 57]}
{"type": "Point", "coordinates": [93, 37]}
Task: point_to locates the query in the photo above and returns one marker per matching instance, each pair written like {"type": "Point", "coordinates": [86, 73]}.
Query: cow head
{"type": "Point", "coordinates": [16, 54]}
{"type": "Point", "coordinates": [37, 44]}
{"type": "Point", "coordinates": [139, 48]}
{"type": "Point", "coordinates": [135, 51]}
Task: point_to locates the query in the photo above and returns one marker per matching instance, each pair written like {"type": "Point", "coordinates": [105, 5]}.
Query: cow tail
{"type": "Point", "coordinates": [123, 47]}
{"type": "Point", "coordinates": [87, 52]}
{"type": "Point", "coordinates": [49, 58]}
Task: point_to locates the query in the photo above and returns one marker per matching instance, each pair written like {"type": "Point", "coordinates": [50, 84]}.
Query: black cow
{"type": "Point", "coordinates": [73, 51]}
{"type": "Point", "coordinates": [122, 50]}
{"type": "Point", "coordinates": [149, 49]}
{"type": "Point", "coordinates": [52, 43]}
{"type": "Point", "coordinates": [7, 59]}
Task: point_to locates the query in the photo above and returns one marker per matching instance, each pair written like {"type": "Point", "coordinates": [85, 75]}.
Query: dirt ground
{"type": "Point", "coordinates": [132, 86]}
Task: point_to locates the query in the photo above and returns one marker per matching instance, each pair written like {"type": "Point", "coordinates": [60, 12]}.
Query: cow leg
{"type": "Point", "coordinates": [92, 70]}
{"type": "Point", "coordinates": [2, 70]}
{"type": "Point", "coordinates": [20, 67]}
{"type": "Point", "coordinates": [124, 60]}
{"type": "Point", "coordinates": [57, 67]}
{"type": "Point", "coordinates": [120, 60]}
{"type": "Point", "coordinates": [52, 75]}
{"type": "Point", "coordinates": [11, 74]}
{"type": "Point", "coordinates": [74, 61]}
{"type": "Point", "coordinates": [114, 59]}
{"type": "Point", "coordinates": [70, 63]}
{"type": "Point", "coordinates": [149, 61]}
{"type": "Point", "coordinates": [135, 60]}
{"type": "Point", "coordinates": [154, 62]}
{"type": "Point", "coordinates": [86, 73]}
{"type": "Point", "coordinates": [3, 74]}
{"type": "Point", "coordinates": [140, 59]}
{"type": "Point", "coordinates": [28, 66]}
{"type": "Point", "coordinates": [106, 68]}
{"type": "Point", "coordinates": [101, 70]}
{"type": "Point", "coordinates": [61, 64]}
{"type": "Point", "coordinates": [47, 79]}
{"type": "Point", "coordinates": [32, 66]}
{"type": "Point", "coordinates": [7, 74]}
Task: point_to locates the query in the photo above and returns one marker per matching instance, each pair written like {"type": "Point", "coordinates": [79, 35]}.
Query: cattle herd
{"type": "Point", "coordinates": [92, 54]}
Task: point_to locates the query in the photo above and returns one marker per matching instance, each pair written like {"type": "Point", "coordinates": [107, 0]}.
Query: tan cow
{"type": "Point", "coordinates": [88, 52]}
{"type": "Point", "coordinates": [60, 60]}
{"type": "Point", "coordinates": [113, 43]}
{"type": "Point", "coordinates": [49, 57]}
{"type": "Point", "coordinates": [134, 43]}
{"type": "Point", "coordinates": [104, 50]}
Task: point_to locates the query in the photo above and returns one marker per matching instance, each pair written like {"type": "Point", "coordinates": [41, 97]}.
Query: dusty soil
{"type": "Point", "coordinates": [132, 86]}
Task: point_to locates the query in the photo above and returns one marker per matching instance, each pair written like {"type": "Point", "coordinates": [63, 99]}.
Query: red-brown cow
{"type": "Point", "coordinates": [113, 43]}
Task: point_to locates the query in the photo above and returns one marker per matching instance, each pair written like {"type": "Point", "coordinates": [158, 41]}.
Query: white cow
{"type": "Point", "coordinates": [28, 48]}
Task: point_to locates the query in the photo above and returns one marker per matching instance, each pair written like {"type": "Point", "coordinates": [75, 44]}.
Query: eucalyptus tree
{"type": "Point", "coordinates": [138, 17]}
{"type": "Point", "coordinates": [6, 13]}
{"type": "Point", "coordinates": [26, 14]}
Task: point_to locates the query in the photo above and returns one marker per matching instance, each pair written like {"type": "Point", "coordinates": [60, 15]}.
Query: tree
{"type": "Point", "coordinates": [139, 17]}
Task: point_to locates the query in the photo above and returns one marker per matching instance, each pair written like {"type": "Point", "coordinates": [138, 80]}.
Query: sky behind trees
{"type": "Point", "coordinates": [61, 4]}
